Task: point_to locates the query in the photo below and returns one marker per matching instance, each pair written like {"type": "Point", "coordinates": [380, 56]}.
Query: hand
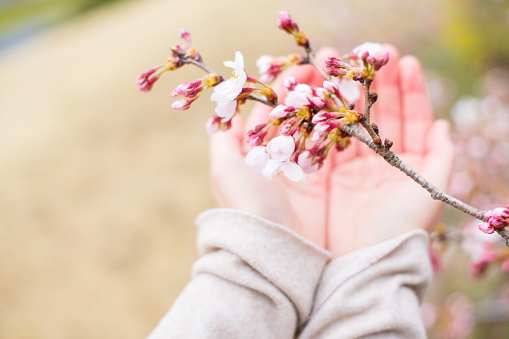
{"type": "Point", "coordinates": [371, 201]}
{"type": "Point", "coordinates": [301, 207]}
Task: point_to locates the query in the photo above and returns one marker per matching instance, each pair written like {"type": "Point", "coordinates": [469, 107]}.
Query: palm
{"type": "Point", "coordinates": [371, 201]}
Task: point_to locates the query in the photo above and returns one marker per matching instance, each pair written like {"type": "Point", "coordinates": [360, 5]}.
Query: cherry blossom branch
{"type": "Point", "coordinates": [392, 159]}
{"type": "Point", "coordinates": [374, 142]}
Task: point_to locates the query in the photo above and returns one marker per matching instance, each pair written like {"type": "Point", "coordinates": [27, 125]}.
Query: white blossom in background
{"type": "Point", "coordinates": [371, 47]}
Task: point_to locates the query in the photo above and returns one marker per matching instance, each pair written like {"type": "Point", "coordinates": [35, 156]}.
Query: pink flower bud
{"type": "Point", "coordinates": [486, 228]}
{"type": "Point", "coordinates": [184, 34]}
{"type": "Point", "coordinates": [334, 62]}
{"type": "Point", "coordinates": [281, 111]}
{"type": "Point", "coordinates": [330, 87]}
{"type": "Point", "coordinates": [335, 72]}
{"type": "Point", "coordinates": [143, 77]}
{"type": "Point", "coordinates": [188, 89]}
{"type": "Point", "coordinates": [289, 127]}
{"type": "Point", "coordinates": [289, 84]}
{"type": "Point", "coordinates": [317, 102]}
{"type": "Point", "coordinates": [324, 116]}
{"type": "Point", "coordinates": [498, 213]}
{"type": "Point", "coordinates": [317, 137]}
{"type": "Point", "coordinates": [181, 105]}
{"type": "Point", "coordinates": [144, 80]}
{"type": "Point", "coordinates": [381, 61]}
{"type": "Point", "coordinates": [370, 59]}
{"type": "Point", "coordinates": [255, 139]}
{"type": "Point", "coordinates": [285, 23]}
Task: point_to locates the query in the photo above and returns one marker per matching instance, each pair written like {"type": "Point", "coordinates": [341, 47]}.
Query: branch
{"type": "Point", "coordinates": [392, 159]}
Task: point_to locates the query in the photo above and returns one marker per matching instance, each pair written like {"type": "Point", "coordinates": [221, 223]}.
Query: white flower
{"type": "Point", "coordinates": [281, 148]}
{"type": "Point", "coordinates": [263, 63]}
{"type": "Point", "coordinates": [226, 92]}
{"type": "Point", "coordinates": [257, 157]}
{"type": "Point", "coordinates": [275, 158]}
{"type": "Point", "coordinates": [371, 47]}
{"type": "Point", "coordinates": [348, 88]}
{"type": "Point", "coordinates": [299, 96]}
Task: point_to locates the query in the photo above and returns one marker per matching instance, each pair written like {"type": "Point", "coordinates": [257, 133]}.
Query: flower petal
{"type": "Point", "coordinates": [292, 171]}
{"type": "Point", "coordinates": [281, 148]}
{"type": "Point", "coordinates": [257, 157]}
{"type": "Point", "coordinates": [271, 168]}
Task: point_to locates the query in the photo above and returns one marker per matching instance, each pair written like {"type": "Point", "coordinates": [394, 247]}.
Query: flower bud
{"type": "Point", "coordinates": [486, 228]}
{"type": "Point", "coordinates": [381, 61]}
{"type": "Point", "coordinates": [388, 144]}
{"type": "Point", "coordinates": [375, 128]}
{"type": "Point", "coordinates": [269, 94]}
{"type": "Point", "coordinates": [281, 111]}
{"type": "Point", "coordinates": [335, 72]}
{"type": "Point", "coordinates": [285, 22]}
{"type": "Point", "coordinates": [336, 63]}
{"type": "Point", "coordinates": [377, 141]}
{"type": "Point", "coordinates": [181, 105]}
{"type": "Point", "coordinates": [289, 84]}
{"type": "Point", "coordinates": [184, 34]}
{"type": "Point", "coordinates": [373, 96]}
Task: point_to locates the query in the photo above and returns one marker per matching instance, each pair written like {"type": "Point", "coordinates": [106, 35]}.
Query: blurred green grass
{"type": "Point", "coordinates": [21, 18]}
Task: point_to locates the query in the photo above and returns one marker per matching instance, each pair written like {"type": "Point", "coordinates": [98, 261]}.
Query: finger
{"type": "Point", "coordinates": [225, 147]}
{"type": "Point", "coordinates": [438, 162]}
{"type": "Point", "coordinates": [386, 111]}
{"type": "Point", "coordinates": [416, 110]}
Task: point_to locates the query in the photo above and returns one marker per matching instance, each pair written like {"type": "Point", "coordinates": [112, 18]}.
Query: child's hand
{"type": "Point", "coordinates": [371, 201]}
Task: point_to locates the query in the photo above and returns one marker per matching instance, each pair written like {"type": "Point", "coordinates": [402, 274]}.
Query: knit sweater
{"type": "Point", "coordinates": [258, 279]}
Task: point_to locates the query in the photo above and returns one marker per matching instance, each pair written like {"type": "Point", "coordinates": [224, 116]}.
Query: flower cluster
{"type": "Point", "coordinates": [498, 218]}
{"type": "Point", "coordinates": [362, 64]}
{"type": "Point", "coordinates": [179, 57]}
{"type": "Point", "coordinates": [312, 118]}
{"type": "Point", "coordinates": [286, 24]}
{"type": "Point", "coordinates": [275, 158]}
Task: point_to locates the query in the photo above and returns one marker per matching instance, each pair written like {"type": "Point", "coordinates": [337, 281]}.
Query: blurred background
{"type": "Point", "coordinates": [100, 183]}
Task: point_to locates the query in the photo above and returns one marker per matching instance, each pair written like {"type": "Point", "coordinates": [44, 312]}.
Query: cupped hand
{"type": "Point", "coordinates": [371, 201]}
{"type": "Point", "coordinates": [298, 206]}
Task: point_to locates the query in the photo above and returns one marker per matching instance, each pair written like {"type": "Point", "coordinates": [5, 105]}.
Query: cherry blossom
{"type": "Point", "coordinates": [226, 92]}
{"type": "Point", "coordinates": [299, 96]}
{"type": "Point", "coordinates": [275, 158]}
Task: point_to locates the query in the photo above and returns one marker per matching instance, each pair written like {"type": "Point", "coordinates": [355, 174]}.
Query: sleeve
{"type": "Point", "coordinates": [254, 279]}
{"type": "Point", "coordinates": [374, 292]}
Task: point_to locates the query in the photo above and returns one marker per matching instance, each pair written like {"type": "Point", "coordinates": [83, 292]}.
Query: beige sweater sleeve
{"type": "Point", "coordinates": [255, 279]}
{"type": "Point", "coordinates": [373, 293]}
